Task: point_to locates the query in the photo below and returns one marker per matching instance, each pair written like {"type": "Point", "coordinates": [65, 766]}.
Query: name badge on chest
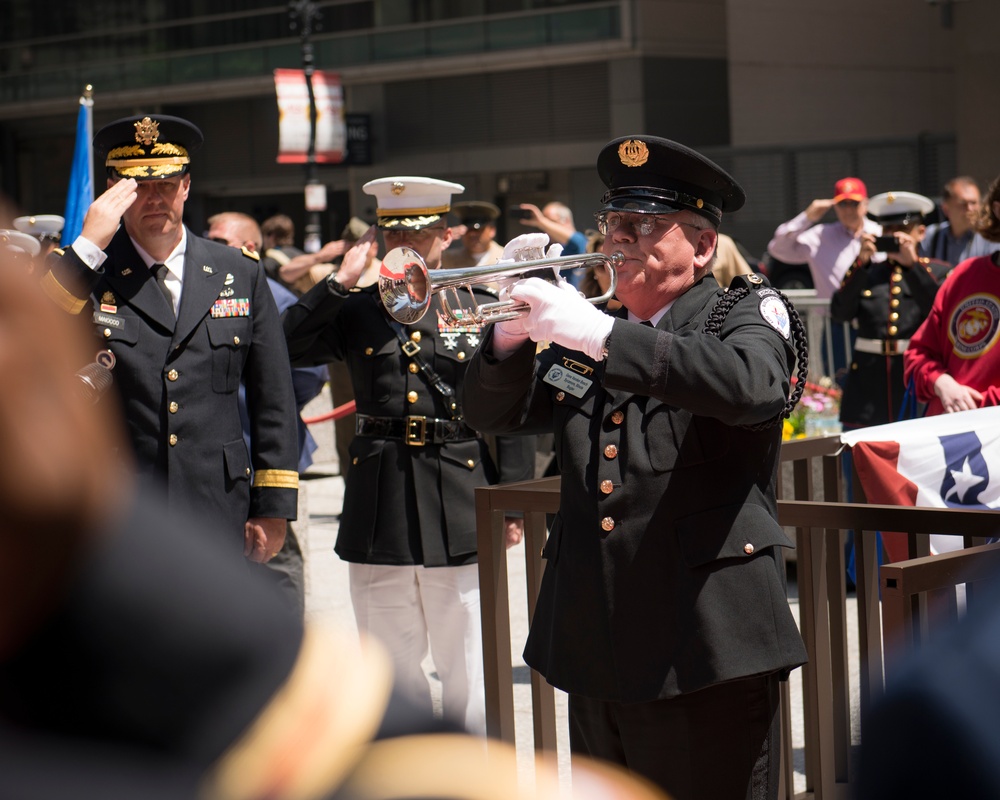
{"type": "Point", "coordinates": [567, 376]}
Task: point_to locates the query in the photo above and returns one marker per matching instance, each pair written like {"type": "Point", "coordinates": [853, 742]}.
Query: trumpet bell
{"type": "Point", "coordinates": [404, 286]}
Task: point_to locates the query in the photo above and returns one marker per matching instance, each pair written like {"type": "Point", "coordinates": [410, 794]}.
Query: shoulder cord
{"type": "Point", "coordinates": [412, 350]}
{"type": "Point", "coordinates": [713, 327]}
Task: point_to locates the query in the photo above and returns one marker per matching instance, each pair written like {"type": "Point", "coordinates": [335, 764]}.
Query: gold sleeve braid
{"type": "Point", "coordinates": [61, 296]}
{"type": "Point", "coordinates": [276, 479]}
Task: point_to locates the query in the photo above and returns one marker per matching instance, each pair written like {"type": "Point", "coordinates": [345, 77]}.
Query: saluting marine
{"type": "Point", "coordinates": [408, 526]}
{"type": "Point", "coordinates": [187, 320]}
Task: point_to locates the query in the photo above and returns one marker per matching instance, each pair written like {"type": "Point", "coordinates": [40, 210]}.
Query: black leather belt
{"type": "Point", "coordinates": [416, 431]}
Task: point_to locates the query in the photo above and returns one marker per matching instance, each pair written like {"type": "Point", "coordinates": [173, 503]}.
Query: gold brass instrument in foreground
{"type": "Point", "coordinates": [406, 285]}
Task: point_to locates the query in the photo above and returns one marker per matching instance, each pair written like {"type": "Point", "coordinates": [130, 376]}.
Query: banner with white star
{"type": "Point", "coordinates": [946, 461]}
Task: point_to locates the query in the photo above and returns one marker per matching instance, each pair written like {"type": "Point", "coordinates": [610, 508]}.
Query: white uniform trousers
{"type": "Point", "coordinates": [404, 606]}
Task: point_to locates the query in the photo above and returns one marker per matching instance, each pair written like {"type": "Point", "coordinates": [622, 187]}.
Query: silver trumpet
{"type": "Point", "coordinates": [406, 285]}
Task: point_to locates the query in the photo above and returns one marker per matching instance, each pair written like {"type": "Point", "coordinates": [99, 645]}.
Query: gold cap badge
{"type": "Point", "coordinates": [633, 153]}
{"type": "Point", "coordinates": [398, 187]}
{"type": "Point", "coordinates": [147, 131]}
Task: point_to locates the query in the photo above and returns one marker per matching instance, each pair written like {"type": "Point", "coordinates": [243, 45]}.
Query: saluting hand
{"type": "Point", "coordinates": [104, 215]}
{"type": "Point", "coordinates": [356, 259]}
{"type": "Point", "coordinates": [818, 208]}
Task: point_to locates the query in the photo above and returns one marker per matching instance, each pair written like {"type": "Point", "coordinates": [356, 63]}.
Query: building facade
{"type": "Point", "coordinates": [512, 98]}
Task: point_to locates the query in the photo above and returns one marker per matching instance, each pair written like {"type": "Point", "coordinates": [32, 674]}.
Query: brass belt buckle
{"type": "Point", "coordinates": [410, 348]}
{"type": "Point", "coordinates": [416, 431]}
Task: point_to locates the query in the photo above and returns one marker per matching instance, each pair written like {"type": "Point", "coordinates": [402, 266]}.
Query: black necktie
{"type": "Point", "coordinates": [647, 323]}
{"type": "Point", "coordinates": [160, 271]}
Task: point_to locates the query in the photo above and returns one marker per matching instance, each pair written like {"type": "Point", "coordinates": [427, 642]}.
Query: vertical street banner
{"type": "Point", "coordinates": [80, 193]}
{"type": "Point", "coordinates": [293, 116]}
{"type": "Point", "coordinates": [945, 461]}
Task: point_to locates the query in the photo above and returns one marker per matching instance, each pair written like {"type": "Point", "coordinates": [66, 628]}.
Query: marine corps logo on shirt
{"type": "Point", "coordinates": [973, 325]}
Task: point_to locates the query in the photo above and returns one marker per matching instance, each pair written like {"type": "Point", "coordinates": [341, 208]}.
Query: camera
{"type": "Point", "coordinates": [516, 212]}
{"type": "Point", "coordinates": [886, 244]}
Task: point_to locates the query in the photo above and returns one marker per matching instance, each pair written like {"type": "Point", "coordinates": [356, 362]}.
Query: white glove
{"type": "Point", "coordinates": [560, 314]}
{"type": "Point", "coordinates": [526, 247]}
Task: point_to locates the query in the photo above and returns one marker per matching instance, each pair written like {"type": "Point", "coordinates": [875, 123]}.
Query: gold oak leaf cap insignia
{"type": "Point", "coordinates": [633, 153]}
{"type": "Point", "coordinates": [147, 146]}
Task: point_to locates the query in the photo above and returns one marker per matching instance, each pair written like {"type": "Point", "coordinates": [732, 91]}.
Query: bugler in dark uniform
{"type": "Point", "coordinates": [180, 356]}
{"type": "Point", "coordinates": [888, 299]}
{"type": "Point", "coordinates": [415, 463]}
{"type": "Point", "coordinates": [662, 609]}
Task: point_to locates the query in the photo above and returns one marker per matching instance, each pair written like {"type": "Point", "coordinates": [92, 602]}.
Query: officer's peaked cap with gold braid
{"type": "Point", "coordinates": [147, 147]}
{"type": "Point", "coordinates": [651, 175]}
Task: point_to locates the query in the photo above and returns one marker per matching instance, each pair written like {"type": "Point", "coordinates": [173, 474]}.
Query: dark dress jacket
{"type": "Point", "coordinates": [404, 503]}
{"type": "Point", "coordinates": [664, 566]}
{"type": "Point", "coordinates": [178, 380]}
{"type": "Point", "coordinates": [888, 302]}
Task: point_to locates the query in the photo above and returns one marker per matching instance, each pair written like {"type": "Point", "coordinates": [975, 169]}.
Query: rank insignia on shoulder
{"type": "Point", "coordinates": [775, 314]}
{"type": "Point", "coordinates": [250, 253]}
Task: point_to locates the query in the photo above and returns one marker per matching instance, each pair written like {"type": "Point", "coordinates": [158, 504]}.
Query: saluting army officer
{"type": "Point", "coordinates": [662, 609]}
{"type": "Point", "coordinates": [408, 525]}
{"type": "Point", "coordinates": [186, 319]}
{"type": "Point", "coordinates": [888, 292]}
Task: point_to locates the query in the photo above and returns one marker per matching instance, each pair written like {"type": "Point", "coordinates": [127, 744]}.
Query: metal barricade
{"type": "Point", "coordinates": [820, 520]}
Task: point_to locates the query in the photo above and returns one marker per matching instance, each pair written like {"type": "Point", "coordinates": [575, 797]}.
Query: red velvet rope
{"type": "Point", "coordinates": [337, 413]}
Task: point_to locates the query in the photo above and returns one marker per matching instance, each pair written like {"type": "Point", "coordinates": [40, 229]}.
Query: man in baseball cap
{"type": "Point", "coordinates": [828, 248]}
{"type": "Point", "coordinates": [849, 189]}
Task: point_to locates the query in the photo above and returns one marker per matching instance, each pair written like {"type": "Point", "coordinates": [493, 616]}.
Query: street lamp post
{"type": "Point", "coordinates": [303, 15]}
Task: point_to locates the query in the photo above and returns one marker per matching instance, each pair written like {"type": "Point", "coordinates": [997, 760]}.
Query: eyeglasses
{"type": "Point", "coordinates": [642, 224]}
{"type": "Point", "coordinates": [420, 235]}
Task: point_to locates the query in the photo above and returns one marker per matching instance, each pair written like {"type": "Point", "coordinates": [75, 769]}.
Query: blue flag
{"type": "Point", "coordinates": [81, 179]}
